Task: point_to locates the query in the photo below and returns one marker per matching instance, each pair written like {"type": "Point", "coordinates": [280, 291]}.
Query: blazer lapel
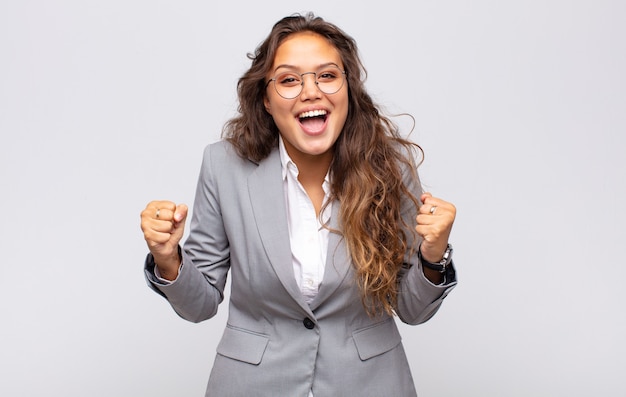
{"type": "Point", "coordinates": [267, 198]}
{"type": "Point", "coordinates": [338, 262]}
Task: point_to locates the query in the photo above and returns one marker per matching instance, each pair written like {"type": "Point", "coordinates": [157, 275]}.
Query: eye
{"type": "Point", "coordinates": [288, 80]}
{"type": "Point", "coordinates": [327, 75]}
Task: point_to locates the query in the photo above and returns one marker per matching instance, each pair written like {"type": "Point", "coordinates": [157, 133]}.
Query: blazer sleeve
{"type": "Point", "coordinates": [418, 298]}
{"type": "Point", "coordinates": [199, 287]}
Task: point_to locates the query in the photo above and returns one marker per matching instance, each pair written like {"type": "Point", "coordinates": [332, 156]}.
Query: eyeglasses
{"type": "Point", "coordinates": [289, 85]}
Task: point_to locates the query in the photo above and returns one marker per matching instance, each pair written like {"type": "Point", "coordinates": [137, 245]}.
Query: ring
{"type": "Point", "coordinates": [158, 212]}
{"type": "Point", "coordinates": [433, 209]}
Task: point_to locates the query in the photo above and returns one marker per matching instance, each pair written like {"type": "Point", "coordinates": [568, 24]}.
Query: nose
{"type": "Point", "coordinates": [310, 90]}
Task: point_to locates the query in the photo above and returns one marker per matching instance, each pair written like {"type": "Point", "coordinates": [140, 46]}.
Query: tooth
{"type": "Point", "coordinates": [313, 113]}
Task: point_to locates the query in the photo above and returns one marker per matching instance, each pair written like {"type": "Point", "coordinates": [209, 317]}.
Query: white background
{"type": "Point", "coordinates": [519, 106]}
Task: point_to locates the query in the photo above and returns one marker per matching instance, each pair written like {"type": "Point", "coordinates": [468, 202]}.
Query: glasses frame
{"type": "Point", "coordinates": [343, 81]}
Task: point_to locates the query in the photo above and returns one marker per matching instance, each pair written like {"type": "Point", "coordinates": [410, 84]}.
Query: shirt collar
{"type": "Point", "coordinates": [285, 160]}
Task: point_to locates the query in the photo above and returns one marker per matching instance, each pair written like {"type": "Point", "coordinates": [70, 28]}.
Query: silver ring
{"type": "Point", "coordinates": [433, 209]}
{"type": "Point", "coordinates": [158, 212]}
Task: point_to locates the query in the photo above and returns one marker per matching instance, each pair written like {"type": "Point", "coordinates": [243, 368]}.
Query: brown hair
{"type": "Point", "coordinates": [366, 170]}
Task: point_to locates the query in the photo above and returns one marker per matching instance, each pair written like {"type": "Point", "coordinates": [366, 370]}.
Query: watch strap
{"type": "Point", "coordinates": [440, 266]}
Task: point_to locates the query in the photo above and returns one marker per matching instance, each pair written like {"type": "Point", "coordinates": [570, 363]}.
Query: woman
{"type": "Point", "coordinates": [312, 201]}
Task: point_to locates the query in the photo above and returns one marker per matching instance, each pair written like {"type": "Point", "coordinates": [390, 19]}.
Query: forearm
{"type": "Point", "coordinates": [190, 294]}
{"type": "Point", "coordinates": [419, 297]}
{"type": "Point", "coordinates": [169, 266]}
{"type": "Point", "coordinates": [433, 276]}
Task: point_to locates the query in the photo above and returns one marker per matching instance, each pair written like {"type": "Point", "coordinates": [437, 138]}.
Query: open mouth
{"type": "Point", "coordinates": [313, 114]}
{"type": "Point", "coordinates": [314, 120]}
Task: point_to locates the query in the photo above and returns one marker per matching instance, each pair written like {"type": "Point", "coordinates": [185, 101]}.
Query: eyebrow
{"type": "Point", "coordinates": [287, 66]}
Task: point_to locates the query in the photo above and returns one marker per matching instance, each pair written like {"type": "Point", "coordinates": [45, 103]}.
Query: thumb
{"type": "Point", "coordinates": [178, 225]}
{"type": "Point", "coordinates": [180, 214]}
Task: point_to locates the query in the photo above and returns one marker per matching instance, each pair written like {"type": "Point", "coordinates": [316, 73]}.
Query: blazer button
{"type": "Point", "coordinates": [308, 323]}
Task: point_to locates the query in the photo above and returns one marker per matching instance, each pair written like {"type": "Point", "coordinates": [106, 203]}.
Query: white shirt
{"type": "Point", "coordinates": [308, 239]}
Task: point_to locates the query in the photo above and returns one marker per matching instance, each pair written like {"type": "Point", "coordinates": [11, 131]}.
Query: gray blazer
{"type": "Point", "coordinates": [275, 344]}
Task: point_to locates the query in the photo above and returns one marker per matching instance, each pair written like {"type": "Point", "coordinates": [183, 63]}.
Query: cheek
{"type": "Point", "coordinates": [277, 107]}
{"type": "Point", "coordinates": [345, 110]}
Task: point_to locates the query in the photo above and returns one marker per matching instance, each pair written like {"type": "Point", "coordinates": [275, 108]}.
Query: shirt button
{"type": "Point", "coordinates": [308, 323]}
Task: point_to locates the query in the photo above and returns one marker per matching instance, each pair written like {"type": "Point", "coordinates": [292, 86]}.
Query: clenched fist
{"type": "Point", "coordinates": [434, 224]}
{"type": "Point", "coordinates": [163, 224]}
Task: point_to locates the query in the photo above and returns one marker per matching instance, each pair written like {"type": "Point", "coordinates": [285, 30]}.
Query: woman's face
{"type": "Point", "coordinates": [311, 122]}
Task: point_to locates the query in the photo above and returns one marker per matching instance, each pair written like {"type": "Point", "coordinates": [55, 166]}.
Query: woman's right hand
{"type": "Point", "coordinates": [163, 224]}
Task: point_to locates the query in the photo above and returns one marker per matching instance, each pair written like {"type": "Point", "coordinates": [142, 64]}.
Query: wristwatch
{"type": "Point", "coordinates": [440, 266]}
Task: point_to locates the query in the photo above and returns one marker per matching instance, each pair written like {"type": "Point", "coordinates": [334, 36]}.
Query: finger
{"type": "Point", "coordinates": [155, 238]}
{"type": "Point", "coordinates": [433, 206]}
{"type": "Point", "coordinates": [429, 203]}
{"type": "Point", "coordinates": [163, 226]}
{"type": "Point", "coordinates": [179, 224]}
{"type": "Point", "coordinates": [163, 204]}
{"type": "Point", "coordinates": [162, 214]}
{"type": "Point", "coordinates": [163, 209]}
{"type": "Point", "coordinates": [442, 217]}
{"type": "Point", "coordinates": [429, 209]}
{"type": "Point", "coordinates": [158, 229]}
{"type": "Point", "coordinates": [425, 219]}
{"type": "Point", "coordinates": [155, 208]}
{"type": "Point", "coordinates": [425, 196]}
{"type": "Point", "coordinates": [437, 206]}
{"type": "Point", "coordinates": [180, 213]}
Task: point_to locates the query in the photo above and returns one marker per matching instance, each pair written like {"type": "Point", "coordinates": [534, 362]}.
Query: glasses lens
{"type": "Point", "coordinates": [289, 84]}
{"type": "Point", "coordinates": [330, 80]}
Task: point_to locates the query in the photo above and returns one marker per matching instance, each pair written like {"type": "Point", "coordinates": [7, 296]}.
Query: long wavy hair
{"type": "Point", "coordinates": [366, 170]}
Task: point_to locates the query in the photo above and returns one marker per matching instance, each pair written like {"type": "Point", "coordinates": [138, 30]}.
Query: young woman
{"type": "Point", "coordinates": [313, 203]}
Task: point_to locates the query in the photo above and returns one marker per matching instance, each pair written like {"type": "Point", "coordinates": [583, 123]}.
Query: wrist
{"type": "Point", "coordinates": [439, 265]}
{"type": "Point", "coordinates": [168, 265]}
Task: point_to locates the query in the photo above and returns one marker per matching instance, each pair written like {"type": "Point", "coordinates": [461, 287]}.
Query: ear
{"type": "Point", "coordinates": [266, 102]}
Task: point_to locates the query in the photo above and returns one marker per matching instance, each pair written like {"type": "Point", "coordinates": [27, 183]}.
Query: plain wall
{"type": "Point", "coordinates": [520, 108]}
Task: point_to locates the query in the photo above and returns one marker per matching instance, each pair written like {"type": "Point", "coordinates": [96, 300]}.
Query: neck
{"type": "Point", "coordinates": [314, 166]}
{"type": "Point", "coordinates": [311, 173]}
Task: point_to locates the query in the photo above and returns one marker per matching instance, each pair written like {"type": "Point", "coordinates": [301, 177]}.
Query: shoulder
{"type": "Point", "coordinates": [222, 150]}
{"type": "Point", "coordinates": [222, 158]}
{"type": "Point", "coordinates": [408, 159]}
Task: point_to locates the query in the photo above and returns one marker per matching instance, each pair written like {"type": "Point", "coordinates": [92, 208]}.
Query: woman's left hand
{"type": "Point", "coordinates": [434, 224]}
